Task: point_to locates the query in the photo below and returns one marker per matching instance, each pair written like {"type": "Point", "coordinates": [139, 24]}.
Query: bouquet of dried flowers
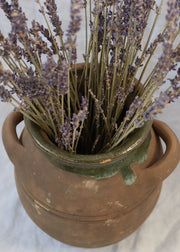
{"type": "Point", "coordinates": [92, 108]}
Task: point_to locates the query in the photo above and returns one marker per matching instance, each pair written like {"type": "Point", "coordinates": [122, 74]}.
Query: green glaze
{"type": "Point", "coordinates": [97, 166]}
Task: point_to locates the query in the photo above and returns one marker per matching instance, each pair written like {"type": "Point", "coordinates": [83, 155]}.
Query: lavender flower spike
{"type": "Point", "coordinates": [5, 95]}
{"type": "Point", "coordinates": [156, 107]}
{"type": "Point", "coordinates": [52, 12]}
{"type": "Point", "coordinates": [165, 61]}
{"type": "Point", "coordinates": [74, 26]}
{"type": "Point", "coordinates": [66, 132]}
{"type": "Point", "coordinates": [56, 75]}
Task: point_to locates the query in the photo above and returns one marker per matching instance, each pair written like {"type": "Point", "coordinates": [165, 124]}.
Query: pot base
{"type": "Point", "coordinates": [84, 231]}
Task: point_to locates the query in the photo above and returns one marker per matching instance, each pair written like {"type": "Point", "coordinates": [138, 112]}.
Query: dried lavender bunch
{"type": "Point", "coordinates": [95, 108]}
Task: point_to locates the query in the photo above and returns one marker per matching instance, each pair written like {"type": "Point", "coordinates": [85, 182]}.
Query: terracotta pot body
{"type": "Point", "coordinates": [83, 211]}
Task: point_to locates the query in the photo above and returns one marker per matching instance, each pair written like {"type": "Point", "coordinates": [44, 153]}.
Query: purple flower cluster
{"type": "Point", "coordinates": [104, 101]}
{"type": "Point", "coordinates": [55, 76]}
{"type": "Point", "coordinates": [174, 92]}
{"type": "Point", "coordinates": [74, 27]}
{"type": "Point", "coordinates": [121, 95]}
{"type": "Point", "coordinates": [81, 116]}
{"type": "Point", "coordinates": [29, 85]}
{"type": "Point", "coordinates": [16, 17]}
{"type": "Point", "coordinates": [97, 7]}
{"type": "Point", "coordinates": [153, 45]}
{"type": "Point", "coordinates": [38, 28]}
{"type": "Point", "coordinates": [136, 106]}
{"type": "Point", "coordinates": [66, 131]}
{"type": "Point", "coordinates": [19, 34]}
{"type": "Point", "coordinates": [70, 130]}
{"type": "Point", "coordinates": [40, 45]}
{"type": "Point", "coordinates": [52, 12]}
{"type": "Point", "coordinates": [156, 107]}
{"type": "Point", "coordinates": [5, 95]}
{"type": "Point", "coordinates": [140, 12]}
{"type": "Point", "coordinates": [166, 62]}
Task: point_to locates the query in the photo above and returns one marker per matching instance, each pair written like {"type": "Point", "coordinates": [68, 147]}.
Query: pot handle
{"type": "Point", "coordinates": [171, 156]}
{"type": "Point", "coordinates": [13, 146]}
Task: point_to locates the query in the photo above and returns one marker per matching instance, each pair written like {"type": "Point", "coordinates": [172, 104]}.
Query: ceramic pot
{"type": "Point", "coordinates": [76, 208]}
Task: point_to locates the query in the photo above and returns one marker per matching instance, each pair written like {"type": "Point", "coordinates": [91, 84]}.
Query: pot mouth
{"type": "Point", "coordinates": [44, 144]}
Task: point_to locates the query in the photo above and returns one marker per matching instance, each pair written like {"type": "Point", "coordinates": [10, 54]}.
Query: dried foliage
{"type": "Point", "coordinates": [94, 109]}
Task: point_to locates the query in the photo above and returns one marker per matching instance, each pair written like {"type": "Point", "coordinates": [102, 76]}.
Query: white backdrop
{"type": "Point", "coordinates": [159, 233]}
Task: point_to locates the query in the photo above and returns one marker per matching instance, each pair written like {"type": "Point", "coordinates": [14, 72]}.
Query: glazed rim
{"type": "Point", "coordinates": [44, 144]}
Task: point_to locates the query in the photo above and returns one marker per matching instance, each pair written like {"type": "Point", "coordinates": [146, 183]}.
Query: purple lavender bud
{"type": "Point", "coordinates": [55, 75]}
{"type": "Point", "coordinates": [62, 79]}
{"type": "Point", "coordinates": [135, 105]}
{"type": "Point", "coordinates": [40, 45]}
{"type": "Point", "coordinates": [121, 95]}
{"type": "Point", "coordinates": [97, 8]}
{"type": "Point", "coordinates": [138, 123]}
{"type": "Point", "coordinates": [5, 95]}
{"type": "Point", "coordinates": [66, 132]}
{"type": "Point", "coordinates": [139, 12]}
{"type": "Point", "coordinates": [174, 91]}
{"type": "Point", "coordinates": [156, 107]}
{"type": "Point", "coordinates": [52, 12]}
{"type": "Point", "coordinates": [159, 39]}
{"type": "Point", "coordinates": [74, 27]}
{"type": "Point", "coordinates": [6, 8]}
{"type": "Point", "coordinates": [84, 104]}
{"type": "Point", "coordinates": [75, 121]}
{"type": "Point", "coordinates": [82, 114]}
